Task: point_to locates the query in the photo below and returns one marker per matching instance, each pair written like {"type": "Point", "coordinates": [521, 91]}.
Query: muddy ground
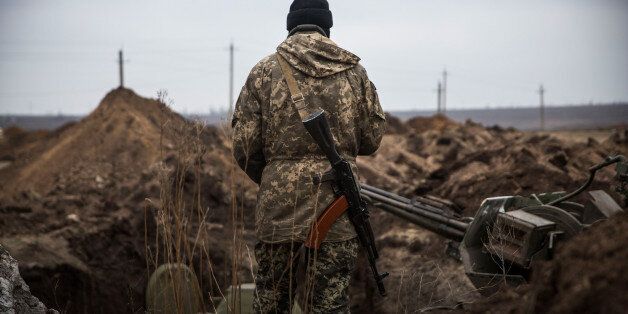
{"type": "Point", "coordinates": [90, 209]}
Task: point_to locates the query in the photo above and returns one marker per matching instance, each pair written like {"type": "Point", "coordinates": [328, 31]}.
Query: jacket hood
{"type": "Point", "coordinates": [316, 55]}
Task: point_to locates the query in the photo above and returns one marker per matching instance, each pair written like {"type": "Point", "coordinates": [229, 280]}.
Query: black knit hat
{"type": "Point", "coordinates": [314, 12]}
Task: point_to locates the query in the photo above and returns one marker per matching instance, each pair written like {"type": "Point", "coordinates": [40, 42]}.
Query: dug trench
{"type": "Point", "coordinates": [89, 210]}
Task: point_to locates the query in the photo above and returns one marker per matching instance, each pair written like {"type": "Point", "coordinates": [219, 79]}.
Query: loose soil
{"type": "Point", "coordinates": [80, 206]}
{"type": "Point", "coordinates": [90, 209]}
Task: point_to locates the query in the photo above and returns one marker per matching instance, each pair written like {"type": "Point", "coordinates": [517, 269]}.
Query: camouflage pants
{"type": "Point", "coordinates": [322, 285]}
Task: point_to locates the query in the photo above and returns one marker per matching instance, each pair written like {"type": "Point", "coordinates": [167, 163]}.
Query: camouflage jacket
{"type": "Point", "coordinates": [272, 146]}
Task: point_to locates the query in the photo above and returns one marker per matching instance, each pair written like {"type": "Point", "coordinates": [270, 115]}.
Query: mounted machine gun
{"type": "Point", "coordinates": [508, 233]}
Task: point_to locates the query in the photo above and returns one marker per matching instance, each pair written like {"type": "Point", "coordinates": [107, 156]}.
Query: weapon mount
{"type": "Point", "coordinates": [508, 233]}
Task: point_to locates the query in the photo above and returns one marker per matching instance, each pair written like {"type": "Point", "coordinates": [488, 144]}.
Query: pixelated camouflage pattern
{"type": "Point", "coordinates": [273, 147]}
{"type": "Point", "coordinates": [323, 288]}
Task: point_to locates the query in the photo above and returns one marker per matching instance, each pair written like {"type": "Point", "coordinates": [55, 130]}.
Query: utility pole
{"type": "Point", "coordinates": [231, 49]}
{"type": "Point", "coordinates": [121, 67]}
{"type": "Point", "coordinates": [444, 91]}
{"type": "Point", "coordinates": [439, 98]}
{"type": "Point", "coordinates": [542, 106]}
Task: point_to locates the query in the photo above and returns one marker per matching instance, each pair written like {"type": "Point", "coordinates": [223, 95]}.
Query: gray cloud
{"type": "Point", "coordinates": [60, 55]}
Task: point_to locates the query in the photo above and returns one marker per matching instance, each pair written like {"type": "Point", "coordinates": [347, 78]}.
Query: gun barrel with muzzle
{"type": "Point", "coordinates": [429, 213]}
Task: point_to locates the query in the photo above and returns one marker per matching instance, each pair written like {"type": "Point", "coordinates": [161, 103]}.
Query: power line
{"type": "Point", "coordinates": [542, 106]}
{"type": "Point", "coordinates": [444, 91]}
{"type": "Point", "coordinates": [439, 97]}
{"type": "Point", "coordinates": [121, 67]}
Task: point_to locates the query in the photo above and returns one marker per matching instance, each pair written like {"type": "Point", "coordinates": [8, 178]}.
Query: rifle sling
{"type": "Point", "coordinates": [323, 224]}
{"type": "Point", "coordinates": [295, 92]}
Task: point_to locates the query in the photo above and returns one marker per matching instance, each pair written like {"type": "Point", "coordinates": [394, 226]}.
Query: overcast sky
{"type": "Point", "coordinates": [60, 56]}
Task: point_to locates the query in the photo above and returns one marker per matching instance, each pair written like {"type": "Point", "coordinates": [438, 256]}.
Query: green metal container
{"type": "Point", "coordinates": [173, 288]}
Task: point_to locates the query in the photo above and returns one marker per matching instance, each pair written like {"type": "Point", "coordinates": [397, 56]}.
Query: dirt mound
{"type": "Point", "coordinates": [394, 125]}
{"type": "Point", "coordinates": [14, 137]}
{"type": "Point", "coordinates": [466, 163]}
{"type": "Point", "coordinates": [589, 274]}
{"type": "Point", "coordinates": [88, 209]}
{"type": "Point", "coordinates": [125, 132]}
{"type": "Point", "coordinates": [435, 123]}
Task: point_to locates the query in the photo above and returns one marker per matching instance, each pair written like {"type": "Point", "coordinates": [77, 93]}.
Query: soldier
{"type": "Point", "coordinates": [272, 146]}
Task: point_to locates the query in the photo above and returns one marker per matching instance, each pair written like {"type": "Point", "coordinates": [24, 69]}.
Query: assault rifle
{"type": "Point", "coordinates": [349, 198]}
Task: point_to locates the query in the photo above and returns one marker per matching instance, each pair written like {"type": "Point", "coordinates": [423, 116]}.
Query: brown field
{"type": "Point", "coordinates": [92, 208]}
